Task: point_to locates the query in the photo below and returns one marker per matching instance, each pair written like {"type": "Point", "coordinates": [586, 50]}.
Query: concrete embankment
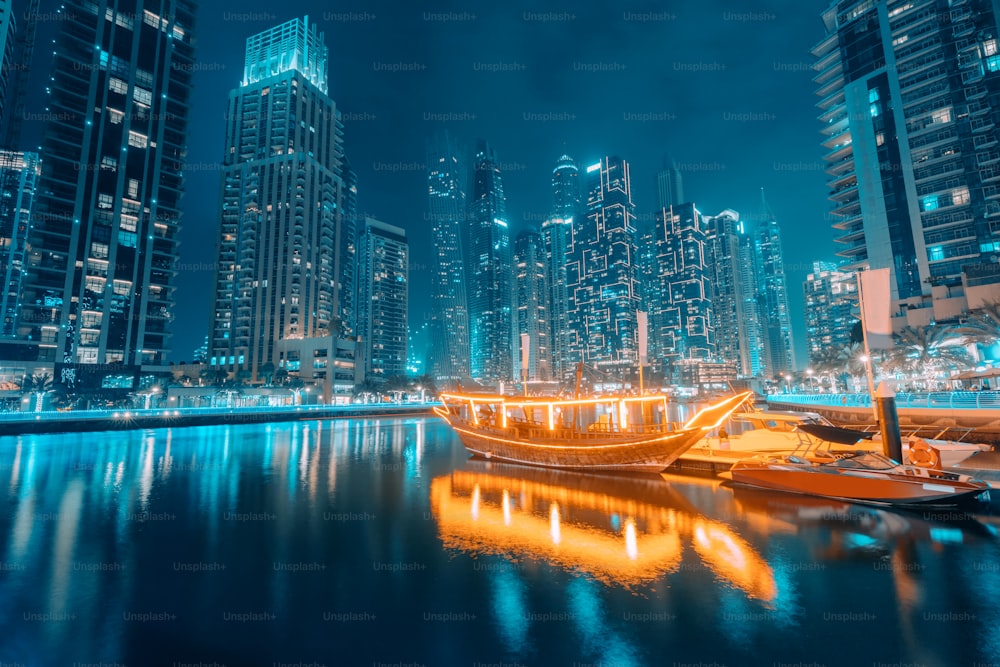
{"type": "Point", "coordinates": [84, 421]}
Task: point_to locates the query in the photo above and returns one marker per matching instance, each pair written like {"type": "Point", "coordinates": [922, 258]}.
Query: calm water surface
{"type": "Point", "coordinates": [376, 542]}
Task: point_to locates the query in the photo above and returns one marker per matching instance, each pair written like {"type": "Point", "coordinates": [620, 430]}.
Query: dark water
{"type": "Point", "coordinates": [377, 543]}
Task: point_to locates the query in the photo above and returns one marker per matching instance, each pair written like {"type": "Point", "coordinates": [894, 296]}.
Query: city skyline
{"type": "Point", "coordinates": [725, 150]}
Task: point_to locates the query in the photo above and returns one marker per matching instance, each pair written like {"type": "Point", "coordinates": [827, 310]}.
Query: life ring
{"type": "Point", "coordinates": [843, 400]}
{"type": "Point", "coordinates": [923, 455]}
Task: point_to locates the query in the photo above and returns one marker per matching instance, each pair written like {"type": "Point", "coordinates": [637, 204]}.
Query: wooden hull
{"type": "Point", "coordinates": [648, 454]}
{"type": "Point", "coordinates": [888, 489]}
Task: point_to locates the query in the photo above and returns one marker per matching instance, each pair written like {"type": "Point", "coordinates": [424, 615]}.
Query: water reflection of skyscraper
{"type": "Point", "coordinates": [621, 530]}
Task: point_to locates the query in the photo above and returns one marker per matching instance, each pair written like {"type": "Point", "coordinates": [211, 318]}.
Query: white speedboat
{"type": "Point", "coordinates": [777, 431]}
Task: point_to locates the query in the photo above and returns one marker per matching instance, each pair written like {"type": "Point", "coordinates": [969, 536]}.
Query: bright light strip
{"type": "Point", "coordinates": [594, 167]}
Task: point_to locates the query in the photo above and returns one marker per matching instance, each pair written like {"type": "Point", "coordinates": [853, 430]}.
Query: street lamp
{"type": "Point", "coordinates": [809, 372]}
{"type": "Point", "coordinates": [421, 390]}
{"type": "Point", "coordinates": [788, 384]}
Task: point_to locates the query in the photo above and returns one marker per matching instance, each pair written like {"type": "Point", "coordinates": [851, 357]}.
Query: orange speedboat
{"type": "Point", "coordinates": [861, 476]}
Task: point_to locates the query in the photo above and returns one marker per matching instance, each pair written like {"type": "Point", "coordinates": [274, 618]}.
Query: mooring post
{"type": "Point", "coordinates": [888, 419]}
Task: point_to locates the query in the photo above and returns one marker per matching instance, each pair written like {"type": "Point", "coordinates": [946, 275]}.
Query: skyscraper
{"type": "Point", "coordinates": [446, 211]}
{"type": "Point", "coordinates": [8, 71]}
{"type": "Point", "coordinates": [775, 323]}
{"type": "Point", "coordinates": [18, 178]}
{"type": "Point", "coordinates": [831, 299]}
{"type": "Point", "coordinates": [532, 305]}
{"type": "Point", "coordinates": [285, 237]}
{"type": "Point", "coordinates": [383, 280]}
{"type": "Point", "coordinates": [489, 273]}
{"type": "Point", "coordinates": [910, 136]}
{"type": "Point", "coordinates": [602, 273]}
{"type": "Point", "coordinates": [102, 247]}
{"type": "Point", "coordinates": [557, 237]}
{"type": "Point", "coordinates": [670, 185]}
{"type": "Point", "coordinates": [682, 317]}
{"type": "Point", "coordinates": [734, 293]}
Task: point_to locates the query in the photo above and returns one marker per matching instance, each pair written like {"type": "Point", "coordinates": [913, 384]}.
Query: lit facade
{"type": "Point", "coordinates": [909, 120]}
{"type": "Point", "coordinates": [772, 291]}
{"type": "Point", "coordinates": [831, 303]}
{"type": "Point", "coordinates": [103, 243]}
{"type": "Point", "coordinates": [683, 322]}
{"type": "Point", "coordinates": [557, 238]}
{"type": "Point", "coordinates": [286, 234]}
{"type": "Point", "coordinates": [383, 281]}
{"type": "Point", "coordinates": [446, 210]}
{"type": "Point", "coordinates": [602, 273]}
{"type": "Point", "coordinates": [669, 186]}
{"type": "Point", "coordinates": [489, 273]}
{"type": "Point", "coordinates": [734, 293]}
{"type": "Point", "coordinates": [18, 179]}
{"type": "Point", "coordinates": [531, 283]}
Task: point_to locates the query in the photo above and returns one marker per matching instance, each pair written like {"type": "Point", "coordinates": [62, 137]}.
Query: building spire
{"type": "Point", "coordinates": [767, 214]}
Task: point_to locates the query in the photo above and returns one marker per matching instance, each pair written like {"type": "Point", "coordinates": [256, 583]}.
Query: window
{"type": "Point", "coordinates": [941, 116]}
{"type": "Point", "coordinates": [960, 196]}
{"type": "Point", "coordinates": [137, 139]}
{"type": "Point", "coordinates": [116, 85]}
{"type": "Point", "coordinates": [929, 203]}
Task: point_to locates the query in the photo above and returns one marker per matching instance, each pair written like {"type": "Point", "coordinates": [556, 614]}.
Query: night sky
{"type": "Point", "coordinates": [724, 89]}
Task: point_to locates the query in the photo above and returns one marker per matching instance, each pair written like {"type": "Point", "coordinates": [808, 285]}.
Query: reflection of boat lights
{"type": "Point", "coordinates": [506, 507]}
{"type": "Point", "coordinates": [631, 548]}
{"type": "Point", "coordinates": [733, 559]}
{"type": "Point", "coordinates": [554, 523]}
{"type": "Point", "coordinates": [475, 502]}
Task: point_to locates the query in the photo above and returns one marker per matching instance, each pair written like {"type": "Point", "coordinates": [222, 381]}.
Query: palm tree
{"type": "Point", "coordinates": [981, 327]}
{"type": "Point", "coordinates": [267, 372]}
{"type": "Point", "coordinates": [280, 376]}
{"type": "Point", "coordinates": [926, 351]}
{"type": "Point", "coordinates": [833, 363]}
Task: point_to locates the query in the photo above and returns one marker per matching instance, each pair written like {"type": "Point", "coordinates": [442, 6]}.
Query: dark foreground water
{"type": "Point", "coordinates": [377, 543]}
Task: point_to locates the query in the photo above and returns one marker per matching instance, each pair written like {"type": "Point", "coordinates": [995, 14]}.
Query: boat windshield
{"type": "Point", "coordinates": [864, 461]}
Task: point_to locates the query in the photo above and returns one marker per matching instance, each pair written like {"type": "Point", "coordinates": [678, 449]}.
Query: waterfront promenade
{"type": "Point", "coordinates": [973, 416]}
{"type": "Point", "coordinates": [74, 421]}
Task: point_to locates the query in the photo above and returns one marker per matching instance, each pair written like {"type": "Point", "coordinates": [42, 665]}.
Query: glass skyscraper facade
{"type": "Point", "coordinates": [383, 281]}
{"type": "Point", "coordinates": [831, 304]}
{"type": "Point", "coordinates": [557, 237]}
{"type": "Point", "coordinates": [602, 273]}
{"type": "Point", "coordinates": [446, 208]}
{"type": "Point", "coordinates": [286, 234]}
{"type": "Point", "coordinates": [102, 246]}
{"type": "Point", "coordinates": [18, 180]}
{"type": "Point", "coordinates": [489, 273]}
{"type": "Point", "coordinates": [772, 294]}
{"type": "Point", "coordinates": [683, 323]}
{"type": "Point", "coordinates": [909, 107]}
{"type": "Point", "coordinates": [531, 283]}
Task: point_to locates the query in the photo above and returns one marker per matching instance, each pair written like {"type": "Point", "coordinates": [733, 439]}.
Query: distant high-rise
{"type": "Point", "coordinates": [603, 271]}
{"type": "Point", "coordinates": [557, 238]}
{"type": "Point", "coordinates": [489, 273]}
{"type": "Point", "coordinates": [734, 293]}
{"type": "Point", "coordinates": [910, 132]}
{"type": "Point", "coordinates": [670, 186]}
{"type": "Point", "coordinates": [682, 316]}
{"type": "Point", "coordinates": [776, 326]}
{"type": "Point", "coordinates": [16, 76]}
{"type": "Point", "coordinates": [8, 68]}
{"type": "Point", "coordinates": [18, 178]}
{"type": "Point", "coordinates": [532, 305]}
{"type": "Point", "coordinates": [103, 246]}
{"type": "Point", "coordinates": [383, 280]}
{"type": "Point", "coordinates": [446, 208]}
{"type": "Point", "coordinates": [831, 303]}
{"type": "Point", "coordinates": [285, 236]}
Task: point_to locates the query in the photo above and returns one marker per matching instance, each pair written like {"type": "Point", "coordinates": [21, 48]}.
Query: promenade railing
{"type": "Point", "coordinates": [942, 400]}
{"type": "Point", "coordinates": [173, 413]}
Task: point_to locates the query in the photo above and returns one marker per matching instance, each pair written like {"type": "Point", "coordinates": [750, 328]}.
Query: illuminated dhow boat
{"type": "Point", "coordinates": [608, 433]}
{"type": "Point", "coordinates": [858, 477]}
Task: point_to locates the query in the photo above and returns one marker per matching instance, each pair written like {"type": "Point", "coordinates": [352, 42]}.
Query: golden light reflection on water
{"type": "Point", "coordinates": [602, 526]}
